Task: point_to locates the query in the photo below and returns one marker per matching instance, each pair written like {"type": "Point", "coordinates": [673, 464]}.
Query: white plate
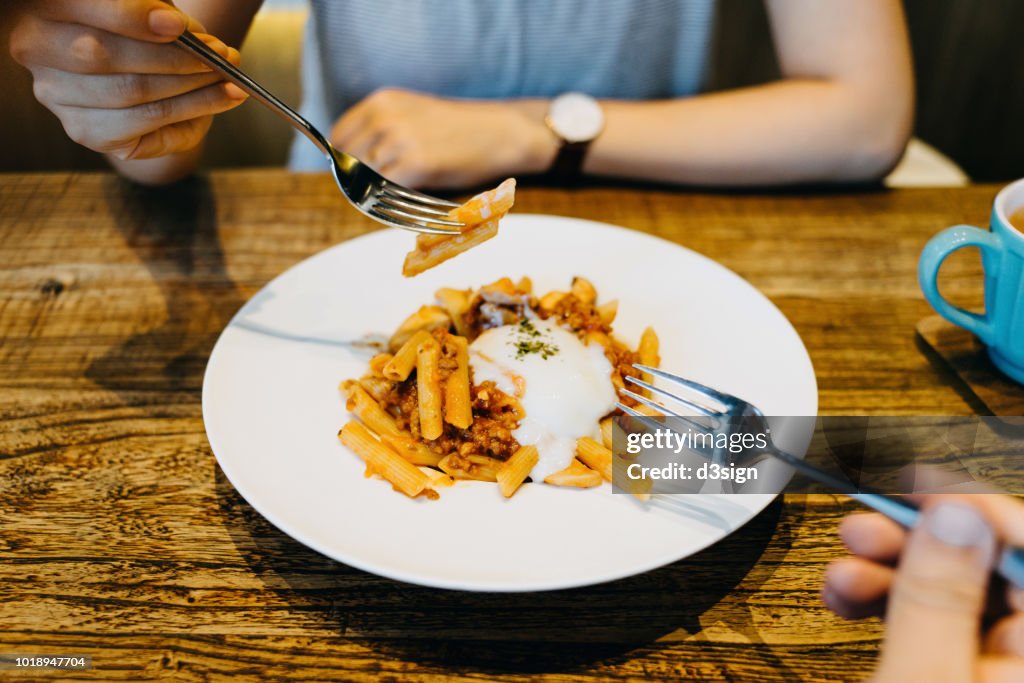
{"type": "Point", "coordinates": [272, 407]}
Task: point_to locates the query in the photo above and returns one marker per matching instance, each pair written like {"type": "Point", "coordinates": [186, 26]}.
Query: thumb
{"type": "Point", "coordinates": [938, 595]}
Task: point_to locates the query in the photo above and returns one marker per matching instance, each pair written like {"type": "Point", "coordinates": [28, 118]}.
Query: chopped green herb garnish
{"type": "Point", "coordinates": [544, 349]}
{"type": "Point", "coordinates": [526, 327]}
{"type": "Point", "coordinates": [529, 342]}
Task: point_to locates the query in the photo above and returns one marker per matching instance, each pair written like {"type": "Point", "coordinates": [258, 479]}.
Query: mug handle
{"type": "Point", "coordinates": [935, 252]}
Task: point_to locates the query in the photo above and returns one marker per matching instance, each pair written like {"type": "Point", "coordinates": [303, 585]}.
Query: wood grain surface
{"type": "Point", "coordinates": [120, 538]}
{"type": "Point", "coordinates": [968, 357]}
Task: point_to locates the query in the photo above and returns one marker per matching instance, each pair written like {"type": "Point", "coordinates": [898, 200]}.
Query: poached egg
{"type": "Point", "coordinates": [564, 386]}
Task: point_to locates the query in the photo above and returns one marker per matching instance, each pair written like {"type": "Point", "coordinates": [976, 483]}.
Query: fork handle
{"type": "Point", "coordinates": [235, 75]}
{"type": "Point", "coordinates": [906, 514]}
{"type": "Point", "coordinates": [898, 509]}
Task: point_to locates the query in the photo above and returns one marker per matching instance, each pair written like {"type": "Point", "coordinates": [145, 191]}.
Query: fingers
{"type": "Point", "coordinates": [116, 130]}
{"type": "Point", "coordinates": [853, 586]}
{"type": "Point", "coordinates": [856, 588]}
{"type": "Point", "coordinates": [873, 537]}
{"type": "Point", "coordinates": [1006, 637]}
{"type": "Point", "coordinates": [370, 118]}
{"type": "Point", "coordinates": [364, 145]}
{"type": "Point", "coordinates": [938, 594]}
{"type": "Point", "coordinates": [177, 137]}
{"type": "Point", "coordinates": [116, 91]}
{"type": "Point", "coordinates": [86, 50]}
{"type": "Point", "coordinates": [149, 20]}
{"type": "Point", "coordinates": [1007, 515]}
{"type": "Point", "coordinates": [353, 131]}
{"type": "Point", "coordinates": [118, 94]}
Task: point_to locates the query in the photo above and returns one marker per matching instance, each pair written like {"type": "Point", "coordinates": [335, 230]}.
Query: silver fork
{"type": "Point", "coordinates": [718, 405]}
{"type": "Point", "coordinates": [370, 192]}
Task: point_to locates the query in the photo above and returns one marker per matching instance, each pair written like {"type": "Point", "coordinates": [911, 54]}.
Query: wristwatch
{"type": "Point", "coordinates": [577, 119]}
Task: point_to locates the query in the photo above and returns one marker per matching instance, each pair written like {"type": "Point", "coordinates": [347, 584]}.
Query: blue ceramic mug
{"type": "Point", "coordinates": [1001, 327]}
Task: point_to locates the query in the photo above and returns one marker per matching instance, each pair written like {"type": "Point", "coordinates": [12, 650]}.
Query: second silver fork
{"type": "Point", "coordinates": [720, 406]}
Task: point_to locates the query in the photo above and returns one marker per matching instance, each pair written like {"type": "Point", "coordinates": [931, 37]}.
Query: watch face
{"type": "Point", "coordinates": [576, 117]}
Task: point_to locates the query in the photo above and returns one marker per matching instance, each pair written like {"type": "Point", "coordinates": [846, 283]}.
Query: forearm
{"type": "Point", "coordinates": [787, 132]}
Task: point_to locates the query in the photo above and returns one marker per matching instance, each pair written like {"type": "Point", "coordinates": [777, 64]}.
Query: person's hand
{"type": "Point", "coordinates": [425, 141]}
{"type": "Point", "coordinates": [109, 72]}
{"type": "Point", "coordinates": [946, 619]}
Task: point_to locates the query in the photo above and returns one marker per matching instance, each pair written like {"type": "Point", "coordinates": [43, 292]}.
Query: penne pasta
{"type": "Point", "coordinates": [478, 467]}
{"type": "Point", "coordinates": [516, 469]}
{"type": "Point", "coordinates": [422, 419]}
{"type": "Point", "coordinates": [428, 387]}
{"type": "Point", "coordinates": [598, 337]}
{"type": "Point", "coordinates": [551, 299]}
{"type": "Point", "coordinates": [380, 459]}
{"type": "Point", "coordinates": [427, 318]}
{"type": "Point", "coordinates": [607, 311]}
{"type": "Point", "coordinates": [426, 241]}
{"type": "Point", "coordinates": [377, 387]}
{"type": "Point", "coordinates": [595, 456]}
{"type": "Point", "coordinates": [618, 382]}
{"type": "Point", "coordinates": [458, 409]}
{"type": "Point", "coordinates": [648, 351]}
{"type": "Point", "coordinates": [502, 292]}
{"type": "Point", "coordinates": [640, 488]}
{"type": "Point", "coordinates": [455, 302]}
{"type": "Point", "coordinates": [369, 412]}
{"type": "Point", "coordinates": [607, 429]}
{"type": "Point", "coordinates": [401, 364]}
{"type": "Point", "coordinates": [411, 449]}
{"type": "Point", "coordinates": [437, 478]}
{"type": "Point", "coordinates": [486, 206]}
{"type": "Point", "coordinates": [480, 215]}
{"type": "Point", "coordinates": [583, 289]}
{"type": "Point", "coordinates": [430, 253]}
{"type": "Point", "coordinates": [378, 362]}
{"type": "Point", "coordinates": [576, 474]}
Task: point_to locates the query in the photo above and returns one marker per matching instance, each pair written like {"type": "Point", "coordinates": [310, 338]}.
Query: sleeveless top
{"type": "Point", "coordinates": [483, 49]}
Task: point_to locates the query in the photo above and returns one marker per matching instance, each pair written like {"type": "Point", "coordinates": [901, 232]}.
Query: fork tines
{"type": "Point", "coordinates": [706, 402]}
{"type": "Point", "coordinates": [724, 400]}
{"type": "Point", "coordinates": [413, 210]}
{"type": "Point", "coordinates": [420, 197]}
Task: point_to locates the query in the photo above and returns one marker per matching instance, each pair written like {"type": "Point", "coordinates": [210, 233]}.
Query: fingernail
{"type": "Point", "coordinates": [958, 525]}
{"type": "Point", "coordinates": [234, 92]}
{"type": "Point", "coordinates": [167, 22]}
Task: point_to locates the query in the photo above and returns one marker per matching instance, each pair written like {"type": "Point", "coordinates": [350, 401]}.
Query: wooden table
{"type": "Point", "coordinates": [120, 538]}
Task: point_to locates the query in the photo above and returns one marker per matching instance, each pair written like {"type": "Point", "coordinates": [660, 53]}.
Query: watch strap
{"type": "Point", "coordinates": [567, 168]}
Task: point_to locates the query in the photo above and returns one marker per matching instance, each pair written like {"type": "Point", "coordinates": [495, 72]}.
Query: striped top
{"type": "Point", "coordinates": [622, 49]}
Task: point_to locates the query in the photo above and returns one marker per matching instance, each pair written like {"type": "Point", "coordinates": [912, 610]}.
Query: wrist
{"type": "Point", "coordinates": [576, 119]}
{"type": "Point", "coordinates": [539, 144]}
